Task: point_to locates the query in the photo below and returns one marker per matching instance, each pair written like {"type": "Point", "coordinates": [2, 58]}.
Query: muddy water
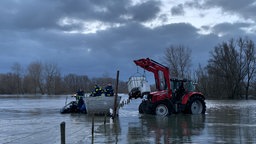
{"type": "Point", "coordinates": [37, 121]}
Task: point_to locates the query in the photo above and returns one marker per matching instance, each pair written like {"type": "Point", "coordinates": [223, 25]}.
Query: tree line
{"type": "Point", "coordinates": [46, 78]}
{"type": "Point", "coordinates": [229, 74]}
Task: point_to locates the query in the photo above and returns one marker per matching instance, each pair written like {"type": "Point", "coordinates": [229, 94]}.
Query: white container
{"type": "Point", "coordinates": [138, 82]}
{"type": "Point", "coordinates": [101, 104]}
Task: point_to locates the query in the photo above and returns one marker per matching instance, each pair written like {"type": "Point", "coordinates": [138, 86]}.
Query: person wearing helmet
{"type": "Point", "coordinates": [109, 90]}
{"type": "Point", "coordinates": [97, 91]}
{"type": "Point", "coordinates": [79, 94]}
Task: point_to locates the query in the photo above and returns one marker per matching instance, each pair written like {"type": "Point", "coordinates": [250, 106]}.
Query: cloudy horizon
{"type": "Point", "coordinates": [97, 37]}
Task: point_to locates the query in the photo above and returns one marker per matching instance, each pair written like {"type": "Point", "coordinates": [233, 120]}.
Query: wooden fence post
{"type": "Point", "coordinates": [62, 133]}
{"type": "Point", "coordinates": [105, 118]}
{"type": "Point", "coordinates": [116, 95]}
{"type": "Point", "coordinates": [93, 128]}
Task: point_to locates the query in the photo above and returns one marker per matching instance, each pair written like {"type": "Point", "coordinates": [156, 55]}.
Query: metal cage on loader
{"type": "Point", "coordinates": [138, 86]}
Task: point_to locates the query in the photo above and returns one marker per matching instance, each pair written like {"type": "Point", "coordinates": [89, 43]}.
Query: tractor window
{"type": "Point", "coordinates": [174, 85]}
{"type": "Point", "coordinates": [189, 86]}
{"type": "Point", "coordinates": [162, 80]}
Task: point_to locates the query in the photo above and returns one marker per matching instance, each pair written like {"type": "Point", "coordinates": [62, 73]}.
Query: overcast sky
{"type": "Point", "coordinates": [99, 37]}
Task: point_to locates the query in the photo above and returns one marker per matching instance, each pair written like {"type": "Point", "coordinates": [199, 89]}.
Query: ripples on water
{"type": "Point", "coordinates": [37, 120]}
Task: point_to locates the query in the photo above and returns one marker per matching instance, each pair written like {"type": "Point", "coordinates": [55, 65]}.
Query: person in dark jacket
{"type": "Point", "coordinates": [180, 91]}
{"type": "Point", "coordinates": [109, 90]}
{"type": "Point", "coordinates": [81, 105]}
{"type": "Point", "coordinates": [79, 94]}
{"type": "Point", "coordinates": [97, 91]}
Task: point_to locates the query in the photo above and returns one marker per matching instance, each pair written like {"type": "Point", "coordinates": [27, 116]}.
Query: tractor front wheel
{"type": "Point", "coordinates": [163, 108]}
{"type": "Point", "coordinates": [141, 108]}
{"type": "Point", "coordinates": [144, 107]}
{"type": "Point", "coordinates": [196, 105]}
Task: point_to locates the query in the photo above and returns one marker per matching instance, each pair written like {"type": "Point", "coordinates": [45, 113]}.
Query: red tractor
{"type": "Point", "coordinates": [171, 95]}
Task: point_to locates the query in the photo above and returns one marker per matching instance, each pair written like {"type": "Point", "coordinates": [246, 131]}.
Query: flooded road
{"type": "Point", "coordinates": [36, 120]}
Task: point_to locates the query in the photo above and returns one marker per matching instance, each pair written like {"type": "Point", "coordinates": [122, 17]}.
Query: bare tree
{"type": "Point", "coordinates": [224, 65]}
{"type": "Point", "coordinates": [28, 86]}
{"type": "Point", "coordinates": [18, 78]}
{"type": "Point", "coordinates": [71, 82]}
{"type": "Point", "coordinates": [179, 60]}
{"type": "Point", "coordinates": [8, 85]}
{"type": "Point", "coordinates": [248, 48]}
{"type": "Point", "coordinates": [51, 76]}
{"type": "Point", "coordinates": [202, 79]}
{"type": "Point", "coordinates": [233, 63]}
{"type": "Point", "coordinates": [74, 82]}
{"type": "Point", "coordinates": [35, 73]}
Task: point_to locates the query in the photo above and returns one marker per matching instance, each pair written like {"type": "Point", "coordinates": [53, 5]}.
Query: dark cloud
{"type": "Point", "coordinates": [46, 14]}
{"type": "Point", "coordinates": [229, 28]}
{"type": "Point", "coordinates": [27, 15]}
{"type": "Point", "coordinates": [246, 8]}
{"type": "Point", "coordinates": [31, 31]}
{"type": "Point", "coordinates": [145, 11]}
{"type": "Point", "coordinates": [178, 10]}
{"type": "Point", "coordinates": [194, 4]}
{"type": "Point", "coordinates": [134, 41]}
{"type": "Point", "coordinates": [230, 4]}
{"type": "Point", "coordinates": [107, 11]}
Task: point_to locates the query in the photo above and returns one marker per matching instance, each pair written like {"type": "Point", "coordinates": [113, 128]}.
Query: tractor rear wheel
{"type": "Point", "coordinates": [196, 105]}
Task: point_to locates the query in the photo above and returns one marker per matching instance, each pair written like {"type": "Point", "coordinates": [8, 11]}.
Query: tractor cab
{"type": "Point", "coordinates": [188, 85]}
{"type": "Point", "coordinates": [181, 87]}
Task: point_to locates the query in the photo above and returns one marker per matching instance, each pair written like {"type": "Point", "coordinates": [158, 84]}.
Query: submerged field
{"type": "Point", "coordinates": [36, 119]}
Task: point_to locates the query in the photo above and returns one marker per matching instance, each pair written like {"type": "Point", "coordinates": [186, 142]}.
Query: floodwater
{"type": "Point", "coordinates": [36, 120]}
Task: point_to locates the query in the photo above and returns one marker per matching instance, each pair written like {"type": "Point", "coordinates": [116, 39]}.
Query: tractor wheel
{"type": "Point", "coordinates": [141, 107]}
{"type": "Point", "coordinates": [163, 108]}
{"type": "Point", "coordinates": [196, 105]}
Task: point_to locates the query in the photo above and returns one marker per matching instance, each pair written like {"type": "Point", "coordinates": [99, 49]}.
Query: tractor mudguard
{"type": "Point", "coordinates": [186, 97]}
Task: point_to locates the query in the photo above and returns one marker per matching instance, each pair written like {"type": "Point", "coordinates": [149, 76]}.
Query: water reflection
{"type": "Point", "coordinates": [106, 130]}
{"type": "Point", "coordinates": [232, 122]}
{"type": "Point", "coordinates": [111, 131]}
{"type": "Point", "coordinates": [176, 128]}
